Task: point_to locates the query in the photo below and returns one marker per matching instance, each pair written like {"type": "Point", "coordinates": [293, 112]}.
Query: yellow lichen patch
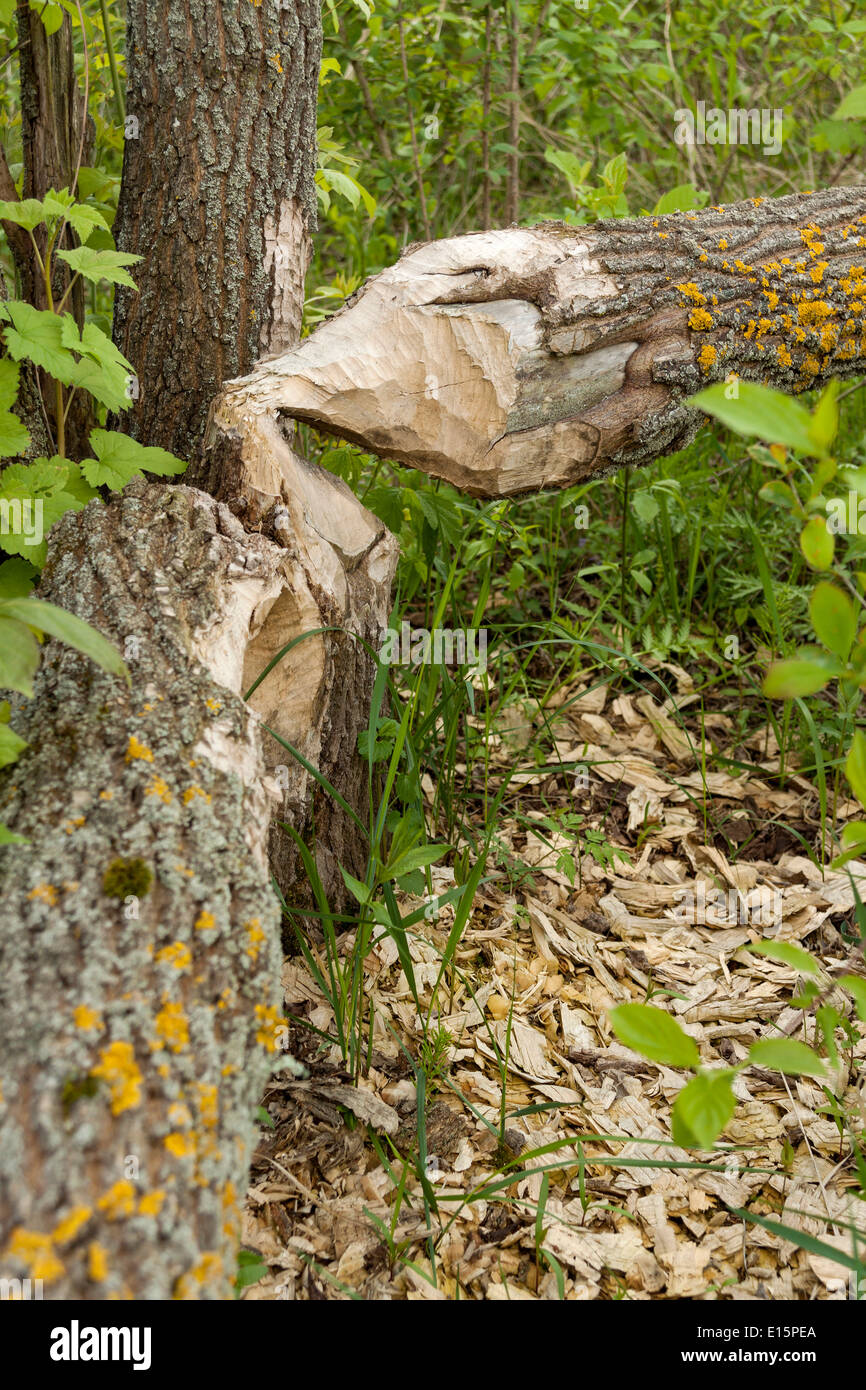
{"type": "Point", "coordinates": [208, 1267]}
{"type": "Point", "coordinates": [192, 792]}
{"type": "Point", "coordinates": [765, 326]}
{"type": "Point", "coordinates": [86, 1019]}
{"type": "Point", "coordinates": [135, 749]}
{"type": "Point", "coordinates": [146, 708]}
{"type": "Point", "coordinates": [215, 705]}
{"type": "Point", "coordinates": [71, 1225]}
{"type": "Point", "coordinates": [106, 796]}
{"type": "Point", "coordinates": [255, 937]}
{"type": "Point", "coordinates": [813, 312]}
{"type": "Point", "coordinates": [772, 299]}
{"type": "Point", "coordinates": [663, 236]}
{"type": "Point", "coordinates": [118, 1201]}
{"type": "Point", "coordinates": [208, 1104]}
{"type": "Point", "coordinates": [706, 357]}
{"type": "Point", "coordinates": [180, 1145]}
{"type": "Point", "coordinates": [157, 786]}
{"type": "Point", "coordinates": [97, 1262]}
{"type": "Point", "coordinates": [172, 1028]}
{"type": "Point", "coordinates": [182, 869]}
{"type": "Point", "coordinates": [205, 921]}
{"type": "Point", "coordinates": [270, 1025]}
{"type": "Point", "coordinates": [46, 892]}
{"type": "Point", "coordinates": [690, 291]}
{"type": "Point", "coordinates": [829, 337]}
{"type": "Point", "coordinates": [119, 1068]}
{"type": "Point", "coordinates": [700, 320]}
{"type": "Point", "coordinates": [742, 267]}
{"type": "Point", "coordinates": [816, 272]}
{"type": "Point", "coordinates": [177, 954]}
{"type": "Point", "coordinates": [151, 1203]}
{"type": "Point", "coordinates": [37, 1252]}
{"type": "Point", "coordinates": [76, 824]}
{"type": "Point", "coordinates": [811, 365]}
{"type": "Point", "coordinates": [723, 245]}
{"type": "Point", "coordinates": [703, 256]}
{"type": "Point", "coordinates": [783, 355]}
{"type": "Point", "coordinates": [228, 1069]}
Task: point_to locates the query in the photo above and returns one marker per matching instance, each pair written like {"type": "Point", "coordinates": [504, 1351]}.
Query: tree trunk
{"type": "Point", "coordinates": [139, 983]}
{"type": "Point", "coordinates": [511, 361]}
{"type": "Point", "coordinates": [217, 196]}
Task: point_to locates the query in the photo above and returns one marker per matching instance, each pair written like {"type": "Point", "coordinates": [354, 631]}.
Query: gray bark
{"type": "Point", "coordinates": [511, 361]}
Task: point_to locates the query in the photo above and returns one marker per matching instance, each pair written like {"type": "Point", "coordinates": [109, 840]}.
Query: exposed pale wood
{"type": "Point", "coordinates": [524, 359]}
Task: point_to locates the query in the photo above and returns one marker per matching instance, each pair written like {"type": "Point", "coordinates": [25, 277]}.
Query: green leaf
{"type": "Point", "coordinates": [416, 859]}
{"type": "Point", "coordinates": [14, 437]}
{"type": "Point", "coordinates": [102, 370]}
{"type": "Point", "coordinates": [780, 494]}
{"type": "Point", "coordinates": [680, 199]}
{"type": "Point", "coordinates": [120, 458]}
{"type": "Point", "coordinates": [360, 892]}
{"type": "Point", "coordinates": [852, 105]}
{"type": "Point", "coordinates": [100, 265]}
{"type": "Point", "coordinates": [854, 834]}
{"type": "Point", "coordinates": [760, 412]}
{"type": "Point", "coordinates": [9, 372]}
{"type": "Point", "coordinates": [788, 954]}
{"type": "Point", "coordinates": [786, 680]}
{"type": "Point", "coordinates": [655, 1034]}
{"type": "Point", "coordinates": [16, 578]}
{"type": "Point", "coordinates": [37, 335]}
{"type": "Point", "coordinates": [11, 746]}
{"type": "Point", "coordinates": [825, 418]}
{"type": "Point", "coordinates": [26, 213]}
{"type": "Point", "coordinates": [47, 617]}
{"type": "Point", "coordinates": [19, 656]}
{"type": "Point", "coordinates": [8, 837]}
{"type": "Point", "coordinates": [85, 220]}
{"type": "Point", "coordinates": [817, 543]}
{"type": "Point", "coordinates": [856, 986]}
{"type": "Point", "coordinates": [702, 1109]}
{"type": "Point", "coordinates": [855, 766]}
{"type": "Point", "coordinates": [834, 618]}
{"type": "Point", "coordinates": [786, 1055]}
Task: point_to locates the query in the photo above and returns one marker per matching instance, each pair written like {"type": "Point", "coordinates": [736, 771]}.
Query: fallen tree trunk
{"type": "Point", "coordinates": [511, 361]}
{"type": "Point", "coordinates": [139, 979]}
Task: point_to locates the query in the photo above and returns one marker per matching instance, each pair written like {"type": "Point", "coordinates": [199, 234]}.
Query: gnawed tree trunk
{"type": "Point", "coordinates": [139, 979]}
{"type": "Point", "coordinates": [217, 196]}
{"type": "Point", "coordinates": [511, 361]}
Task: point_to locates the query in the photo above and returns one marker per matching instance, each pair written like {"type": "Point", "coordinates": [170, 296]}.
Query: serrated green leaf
{"type": "Point", "coordinates": [9, 373]}
{"type": "Point", "coordinates": [86, 220]}
{"type": "Point", "coordinates": [817, 543]}
{"type": "Point", "coordinates": [655, 1034]}
{"type": "Point", "coordinates": [37, 335]}
{"type": "Point", "coordinates": [14, 437]}
{"type": "Point", "coordinates": [47, 617]}
{"type": "Point", "coordinates": [788, 954]}
{"type": "Point", "coordinates": [19, 659]}
{"type": "Point", "coordinates": [16, 578]}
{"type": "Point", "coordinates": [702, 1109]}
{"type": "Point", "coordinates": [761, 413]}
{"type": "Point", "coordinates": [787, 1055]}
{"type": "Point", "coordinates": [26, 213]}
{"type": "Point", "coordinates": [834, 618]}
{"type": "Point", "coordinates": [100, 265]}
{"type": "Point", "coordinates": [120, 458]}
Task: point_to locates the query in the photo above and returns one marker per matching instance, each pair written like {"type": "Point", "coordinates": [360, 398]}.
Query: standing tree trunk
{"type": "Point", "coordinates": [218, 196]}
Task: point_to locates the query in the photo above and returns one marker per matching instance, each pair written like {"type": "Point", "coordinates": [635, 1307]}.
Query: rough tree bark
{"type": "Point", "coordinates": [217, 196]}
{"type": "Point", "coordinates": [511, 361]}
{"type": "Point", "coordinates": [139, 991]}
